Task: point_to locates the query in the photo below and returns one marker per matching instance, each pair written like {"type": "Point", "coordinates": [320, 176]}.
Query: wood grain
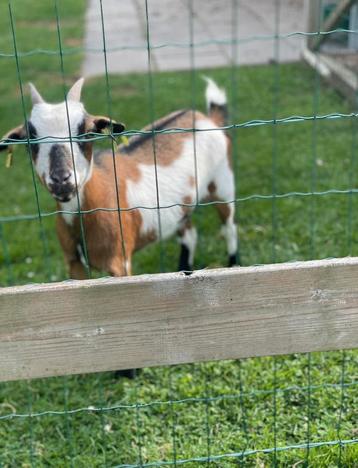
{"type": "Point", "coordinates": [120, 323]}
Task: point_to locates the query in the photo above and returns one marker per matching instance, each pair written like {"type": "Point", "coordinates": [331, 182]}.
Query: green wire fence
{"type": "Point", "coordinates": [296, 410]}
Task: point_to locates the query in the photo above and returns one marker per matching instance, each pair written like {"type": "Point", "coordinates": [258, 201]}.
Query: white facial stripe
{"type": "Point", "coordinates": [72, 207]}
{"type": "Point", "coordinates": [51, 119]}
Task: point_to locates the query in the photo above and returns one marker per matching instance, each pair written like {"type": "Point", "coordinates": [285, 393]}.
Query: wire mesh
{"type": "Point", "coordinates": [209, 414]}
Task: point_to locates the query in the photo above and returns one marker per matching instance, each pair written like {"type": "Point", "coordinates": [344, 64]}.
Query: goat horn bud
{"type": "Point", "coordinates": [74, 93]}
{"type": "Point", "coordinates": [35, 95]}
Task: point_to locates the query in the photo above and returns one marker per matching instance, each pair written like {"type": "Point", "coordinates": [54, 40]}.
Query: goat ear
{"type": "Point", "coordinates": [103, 123]}
{"type": "Point", "coordinates": [18, 133]}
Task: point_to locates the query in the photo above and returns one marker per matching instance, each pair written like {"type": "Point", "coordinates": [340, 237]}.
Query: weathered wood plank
{"type": "Point", "coordinates": [99, 325]}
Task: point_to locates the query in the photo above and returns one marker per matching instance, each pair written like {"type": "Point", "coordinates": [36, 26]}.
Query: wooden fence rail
{"type": "Point", "coordinates": [120, 323]}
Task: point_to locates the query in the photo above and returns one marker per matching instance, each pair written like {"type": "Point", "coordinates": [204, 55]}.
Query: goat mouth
{"type": "Point", "coordinates": [63, 196]}
{"type": "Point", "coordinates": [63, 199]}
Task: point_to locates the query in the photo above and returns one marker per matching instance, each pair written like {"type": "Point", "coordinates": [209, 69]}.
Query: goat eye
{"type": "Point", "coordinates": [84, 132]}
{"type": "Point", "coordinates": [85, 136]}
{"type": "Point", "coordinates": [32, 136]}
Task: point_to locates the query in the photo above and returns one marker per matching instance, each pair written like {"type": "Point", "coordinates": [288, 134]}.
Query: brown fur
{"type": "Point", "coordinates": [166, 144]}
{"type": "Point", "coordinates": [223, 209]}
{"type": "Point", "coordinates": [68, 239]}
{"type": "Point", "coordinates": [17, 133]}
{"type": "Point", "coordinates": [187, 201]}
{"type": "Point", "coordinates": [144, 239]}
{"type": "Point", "coordinates": [104, 230]}
{"type": "Point", "coordinates": [111, 240]}
{"type": "Point", "coordinates": [187, 224]}
{"type": "Point", "coordinates": [20, 133]}
{"type": "Point", "coordinates": [217, 116]}
{"type": "Point", "coordinates": [212, 188]}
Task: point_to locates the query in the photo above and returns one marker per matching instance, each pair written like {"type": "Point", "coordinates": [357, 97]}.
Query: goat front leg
{"type": "Point", "coordinates": [77, 270]}
{"type": "Point", "coordinates": [69, 246]}
{"type": "Point", "coordinates": [120, 267]}
{"type": "Point", "coordinates": [187, 237]}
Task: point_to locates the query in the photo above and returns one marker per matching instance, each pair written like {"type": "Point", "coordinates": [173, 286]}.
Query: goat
{"type": "Point", "coordinates": [172, 169]}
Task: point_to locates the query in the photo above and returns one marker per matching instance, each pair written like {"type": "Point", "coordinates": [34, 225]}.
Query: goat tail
{"type": "Point", "coordinates": [216, 102]}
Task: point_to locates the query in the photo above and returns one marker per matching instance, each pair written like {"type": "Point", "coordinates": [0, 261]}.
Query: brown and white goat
{"type": "Point", "coordinates": [187, 171]}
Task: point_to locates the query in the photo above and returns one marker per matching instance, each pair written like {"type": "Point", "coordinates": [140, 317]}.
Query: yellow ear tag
{"type": "Point", "coordinates": [125, 140]}
{"type": "Point", "coordinates": [8, 162]}
{"type": "Point", "coordinates": [107, 131]}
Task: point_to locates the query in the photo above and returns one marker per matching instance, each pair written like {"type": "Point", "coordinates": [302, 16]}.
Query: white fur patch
{"type": "Point", "coordinates": [214, 94]}
{"type": "Point", "coordinates": [229, 231]}
{"type": "Point", "coordinates": [174, 180]}
{"type": "Point", "coordinates": [189, 239]}
{"type": "Point", "coordinates": [72, 208]}
{"type": "Point", "coordinates": [51, 119]}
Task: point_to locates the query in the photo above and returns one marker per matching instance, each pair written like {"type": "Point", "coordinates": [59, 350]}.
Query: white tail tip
{"type": "Point", "coordinates": [214, 94]}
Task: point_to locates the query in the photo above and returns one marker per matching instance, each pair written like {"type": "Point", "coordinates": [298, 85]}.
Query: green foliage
{"type": "Point", "coordinates": [226, 406]}
{"type": "Point", "coordinates": [194, 410]}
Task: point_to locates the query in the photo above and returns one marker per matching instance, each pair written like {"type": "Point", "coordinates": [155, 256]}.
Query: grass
{"type": "Point", "coordinates": [209, 409]}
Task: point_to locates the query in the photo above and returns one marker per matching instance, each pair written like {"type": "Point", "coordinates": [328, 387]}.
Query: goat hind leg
{"type": "Point", "coordinates": [229, 231]}
{"type": "Point", "coordinates": [119, 267]}
{"type": "Point", "coordinates": [187, 240]}
{"type": "Point", "coordinates": [225, 195]}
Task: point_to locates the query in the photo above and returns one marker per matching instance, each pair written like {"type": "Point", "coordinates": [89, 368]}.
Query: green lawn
{"type": "Point", "coordinates": [191, 411]}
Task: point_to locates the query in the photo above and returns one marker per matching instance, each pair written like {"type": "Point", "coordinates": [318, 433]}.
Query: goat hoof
{"type": "Point", "coordinates": [187, 271]}
{"type": "Point", "coordinates": [233, 260]}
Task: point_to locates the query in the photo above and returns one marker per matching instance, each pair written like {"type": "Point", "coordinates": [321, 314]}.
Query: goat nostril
{"type": "Point", "coordinates": [54, 178]}
{"type": "Point", "coordinates": [60, 178]}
